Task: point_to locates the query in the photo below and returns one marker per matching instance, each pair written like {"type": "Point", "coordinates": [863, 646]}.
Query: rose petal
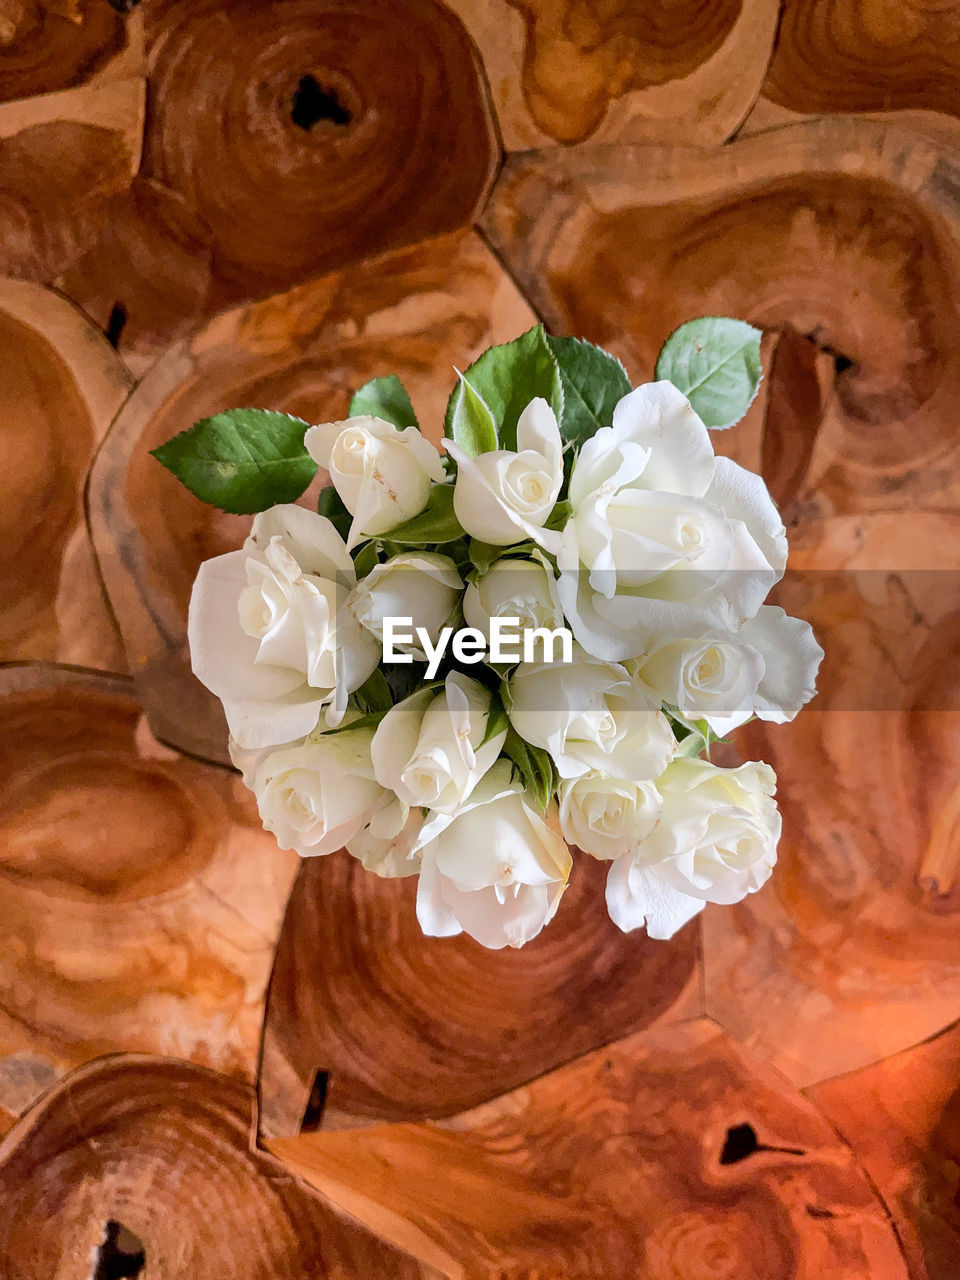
{"type": "Point", "coordinates": [637, 896]}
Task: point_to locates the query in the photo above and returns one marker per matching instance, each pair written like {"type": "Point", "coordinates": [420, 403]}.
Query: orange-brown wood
{"type": "Point", "coordinates": [416, 312]}
{"type": "Point", "coordinates": [408, 1026]}
{"type": "Point", "coordinates": [673, 1155]}
{"type": "Point", "coordinates": [60, 385]}
{"type": "Point", "coordinates": [851, 952]}
{"type": "Point", "coordinates": [66, 159]}
{"type": "Point", "coordinates": [846, 231]}
{"type": "Point", "coordinates": [141, 898]}
{"type": "Point", "coordinates": [47, 45]}
{"type": "Point", "coordinates": [902, 1119]}
{"type": "Point", "coordinates": [333, 131]}
{"type": "Point", "coordinates": [566, 72]}
{"type": "Point", "coordinates": [161, 1149]}
{"type": "Point", "coordinates": [866, 55]}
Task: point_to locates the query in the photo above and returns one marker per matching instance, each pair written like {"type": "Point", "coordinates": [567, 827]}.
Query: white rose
{"type": "Point", "coordinates": [522, 588]}
{"type": "Point", "coordinates": [588, 715]}
{"type": "Point", "coordinates": [791, 659]}
{"type": "Point", "coordinates": [386, 844]}
{"type": "Point", "coordinates": [768, 669]}
{"type": "Point", "coordinates": [268, 633]}
{"type": "Point", "coordinates": [428, 748]}
{"type": "Point", "coordinates": [716, 842]}
{"type": "Point", "coordinates": [607, 817]}
{"type": "Point", "coordinates": [420, 585]}
{"type": "Point", "coordinates": [317, 795]}
{"type": "Point", "coordinates": [501, 496]}
{"type": "Point", "coordinates": [496, 868]}
{"type": "Point", "coordinates": [382, 474]}
{"type": "Point", "coordinates": [664, 538]}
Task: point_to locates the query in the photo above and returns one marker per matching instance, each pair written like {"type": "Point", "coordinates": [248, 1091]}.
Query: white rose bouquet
{"type": "Point", "coordinates": [462, 667]}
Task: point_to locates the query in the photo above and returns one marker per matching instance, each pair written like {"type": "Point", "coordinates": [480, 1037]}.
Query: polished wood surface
{"type": "Point", "coordinates": [672, 1153]}
{"type": "Point", "coordinates": [407, 1027]}
{"type": "Point", "coordinates": [561, 72]}
{"type": "Point", "coordinates": [66, 160]}
{"type": "Point", "coordinates": [141, 898]}
{"type": "Point", "coordinates": [250, 182]}
{"type": "Point", "coordinates": [902, 1119]}
{"type": "Point", "coordinates": [60, 386]}
{"type": "Point", "coordinates": [162, 1150]}
{"type": "Point", "coordinates": [848, 232]}
{"type": "Point", "coordinates": [213, 203]}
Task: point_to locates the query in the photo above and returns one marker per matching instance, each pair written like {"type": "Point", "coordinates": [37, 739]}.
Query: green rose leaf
{"type": "Point", "coordinates": [496, 720]}
{"type": "Point", "coordinates": [593, 381]}
{"type": "Point", "coordinates": [472, 425]}
{"type": "Point", "coordinates": [370, 721]}
{"type": "Point", "coordinates": [374, 697]}
{"type": "Point", "coordinates": [535, 767]}
{"type": "Point", "coordinates": [507, 378]}
{"type": "Point", "coordinates": [241, 460]}
{"type": "Point", "coordinates": [384, 398]}
{"type": "Point", "coordinates": [435, 524]}
{"type": "Point", "coordinates": [405, 678]}
{"type": "Point", "coordinates": [365, 559]}
{"type": "Point", "coordinates": [330, 504]}
{"type": "Point", "coordinates": [715, 362]}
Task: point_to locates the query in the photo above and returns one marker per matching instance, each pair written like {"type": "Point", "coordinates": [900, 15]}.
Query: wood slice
{"type": "Point", "coordinates": [65, 161]}
{"type": "Point", "coordinates": [48, 45]}
{"type": "Point", "coordinates": [407, 1027]}
{"type": "Point", "coordinates": [141, 898]}
{"type": "Point", "coordinates": [846, 231]}
{"type": "Point", "coordinates": [146, 1164]}
{"type": "Point", "coordinates": [852, 951]}
{"type": "Point", "coordinates": [335, 130]}
{"type": "Point", "coordinates": [565, 72]}
{"type": "Point", "coordinates": [902, 1118]}
{"type": "Point", "coordinates": [416, 312]}
{"type": "Point", "coordinates": [60, 385]}
{"type": "Point", "coordinates": [866, 55]}
{"type": "Point", "coordinates": [672, 1155]}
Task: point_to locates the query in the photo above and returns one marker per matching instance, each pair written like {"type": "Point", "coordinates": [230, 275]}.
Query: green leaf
{"type": "Point", "coordinates": [365, 559]}
{"type": "Point", "coordinates": [715, 362]}
{"type": "Point", "coordinates": [241, 460]}
{"type": "Point", "coordinates": [330, 504]}
{"type": "Point", "coordinates": [593, 381]}
{"type": "Point", "coordinates": [472, 424]}
{"type": "Point", "coordinates": [384, 398]}
{"type": "Point", "coordinates": [537, 770]}
{"type": "Point", "coordinates": [559, 516]}
{"type": "Point", "coordinates": [404, 678]}
{"type": "Point", "coordinates": [484, 554]}
{"type": "Point", "coordinates": [364, 722]}
{"type": "Point", "coordinates": [435, 524]}
{"type": "Point", "coordinates": [507, 378]}
{"type": "Point", "coordinates": [374, 694]}
{"type": "Point", "coordinates": [496, 721]}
